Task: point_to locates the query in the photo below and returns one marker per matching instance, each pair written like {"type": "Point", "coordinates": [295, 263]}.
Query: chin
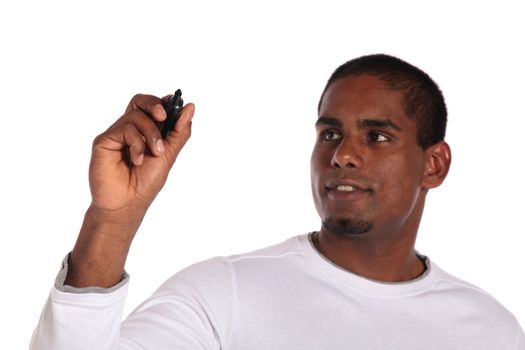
{"type": "Point", "coordinates": [347, 227]}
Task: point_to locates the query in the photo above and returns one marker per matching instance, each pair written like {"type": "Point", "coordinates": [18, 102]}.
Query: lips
{"type": "Point", "coordinates": [347, 185]}
{"type": "Point", "coordinates": [345, 189]}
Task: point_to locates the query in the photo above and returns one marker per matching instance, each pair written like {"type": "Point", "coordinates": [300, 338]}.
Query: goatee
{"type": "Point", "coordinates": [346, 227]}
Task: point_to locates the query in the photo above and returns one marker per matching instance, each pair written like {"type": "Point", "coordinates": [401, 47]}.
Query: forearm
{"type": "Point", "coordinates": [99, 255]}
{"type": "Point", "coordinates": [129, 165]}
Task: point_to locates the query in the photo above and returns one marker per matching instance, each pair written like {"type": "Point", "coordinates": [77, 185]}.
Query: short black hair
{"type": "Point", "coordinates": [424, 100]}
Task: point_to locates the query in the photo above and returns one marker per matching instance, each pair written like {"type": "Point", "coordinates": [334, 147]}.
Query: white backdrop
{"type": "Point", "coordinates": [255, 71]}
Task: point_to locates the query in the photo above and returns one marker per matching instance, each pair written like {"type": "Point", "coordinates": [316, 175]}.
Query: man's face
{"type": "Point", "coordinates": [367, 168]}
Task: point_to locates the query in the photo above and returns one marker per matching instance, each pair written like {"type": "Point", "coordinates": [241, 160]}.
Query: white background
{"type": "Point", "coordinates": [255, 71]}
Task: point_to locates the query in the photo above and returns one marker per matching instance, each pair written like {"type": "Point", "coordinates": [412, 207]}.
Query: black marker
{"type": "Point", "coordinates": [173, 109]}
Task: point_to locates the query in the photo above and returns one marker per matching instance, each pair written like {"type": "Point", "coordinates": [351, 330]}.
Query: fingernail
{"type": "Point", "coordinates": [160, 109]}
{"type": "Point", "coordinates": [160, 145]}
{"type": "Point", "coordinates": [140, 159]}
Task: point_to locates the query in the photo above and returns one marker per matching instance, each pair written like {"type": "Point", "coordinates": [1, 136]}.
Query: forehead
{"type": "Point", "coordinates": [355, 97]}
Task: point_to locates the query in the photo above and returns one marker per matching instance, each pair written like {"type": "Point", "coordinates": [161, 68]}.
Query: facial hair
{"type": "Point", "coordinates": [346, 227]}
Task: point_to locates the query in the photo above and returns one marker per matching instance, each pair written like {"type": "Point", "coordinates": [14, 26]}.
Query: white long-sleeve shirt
{"type": "Point", "coordinates": [287, 296]}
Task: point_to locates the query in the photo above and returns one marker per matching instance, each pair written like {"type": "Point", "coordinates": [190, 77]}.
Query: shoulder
{"type": "Point", "coordinates": [287, 248]}
{"type": "Point", "coordinates": [219, 272]}
{"type": "Point", "coordinates": [475, 304]}
{"type": "Point", "coordinates": [467, 292]}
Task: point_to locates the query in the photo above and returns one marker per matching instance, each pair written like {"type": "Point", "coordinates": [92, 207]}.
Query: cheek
{"type": "Point", "coordinates": [401, 179]}
{"type": "Point", "coordinates": [317, 163]}
{"type": "Point", "coordinates": [317, 166]}
{"type": "Point", "coordinates": [314, 166]}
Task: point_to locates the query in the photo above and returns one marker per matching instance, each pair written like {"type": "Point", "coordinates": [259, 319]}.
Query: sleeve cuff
{"type": "Point", "coordinates": [61, 286]}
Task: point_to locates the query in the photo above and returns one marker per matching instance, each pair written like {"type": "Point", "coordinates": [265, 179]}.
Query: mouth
{"type": "Point", "coordinates": [345, 185]}
{"type": "Point", "coordinates": [345, 190]}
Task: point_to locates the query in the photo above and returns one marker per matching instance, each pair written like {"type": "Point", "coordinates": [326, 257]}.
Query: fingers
{"type": "Point", "coordinates": [150, 105]}
{"type": "Point", "coordinates": [176, 139]}
{"type": "Point", "coordinates": [137, 131]}
{"type": "Point", "coordinates": [148, 129]}
{"type": "Point", "coordinates": [119, 143]}
{"type": "Point", "coordinates": [132, 138]}
{"type": "Point", "coordinates": [184, 123]}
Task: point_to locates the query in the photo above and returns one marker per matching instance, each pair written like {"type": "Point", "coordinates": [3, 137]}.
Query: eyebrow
{"type": "Point", "coordinates": [379, 123]}
{"type": "Point", "coordinates": [328, 121]}
{"type": "Point", "coordinates": [365, 123]}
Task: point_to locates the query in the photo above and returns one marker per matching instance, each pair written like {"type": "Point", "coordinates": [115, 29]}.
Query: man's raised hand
{"type": "Point", "coordinates": [130, 161]}
{"type": "Point", "coordinates": [129, 165]}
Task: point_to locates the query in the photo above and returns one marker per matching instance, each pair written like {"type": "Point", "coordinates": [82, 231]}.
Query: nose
{"type": "Point", "coordinates": [347, 155]}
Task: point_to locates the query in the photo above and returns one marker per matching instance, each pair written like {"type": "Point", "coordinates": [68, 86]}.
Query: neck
{"type": "Point", "coordinates": [388, 260]}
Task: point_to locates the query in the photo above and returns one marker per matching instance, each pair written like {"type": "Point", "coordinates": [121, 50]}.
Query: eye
{"type": "Point", "coordinates": [330, 135]}
{"type": "Point", "coordinates": [378, 137]}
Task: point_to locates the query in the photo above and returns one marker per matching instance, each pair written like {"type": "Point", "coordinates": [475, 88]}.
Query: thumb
{"type": "Point", "coordinates": [176, 139]}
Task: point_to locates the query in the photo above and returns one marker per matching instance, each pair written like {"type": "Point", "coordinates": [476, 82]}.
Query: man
{"type": "Point", "coordinates": [358, 283]}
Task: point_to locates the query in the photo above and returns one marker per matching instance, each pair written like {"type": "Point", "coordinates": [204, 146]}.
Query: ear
{"type": "Point", "coordinates": [438, 159]}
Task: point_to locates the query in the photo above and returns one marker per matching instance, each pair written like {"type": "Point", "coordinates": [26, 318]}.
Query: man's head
{"type": "Point", "coordinates": [423, 99]}
{"type": "Point", "coordinates": [379, 147]}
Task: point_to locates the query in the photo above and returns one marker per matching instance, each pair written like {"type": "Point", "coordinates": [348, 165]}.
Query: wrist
{"type": "Point", "coordinates": [100, 252]}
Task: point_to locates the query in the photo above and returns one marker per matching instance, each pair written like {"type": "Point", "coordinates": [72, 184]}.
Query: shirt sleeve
{"type": "Point", "coordinates": [192, 310]}
{"type": "Point", "coordinates": [80, 321]}
{"type": "Point", "coordinates": [61, 278]}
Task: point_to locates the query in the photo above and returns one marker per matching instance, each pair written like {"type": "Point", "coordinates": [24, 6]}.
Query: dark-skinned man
{"type": "Point", "coordinates": [357, 283]}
